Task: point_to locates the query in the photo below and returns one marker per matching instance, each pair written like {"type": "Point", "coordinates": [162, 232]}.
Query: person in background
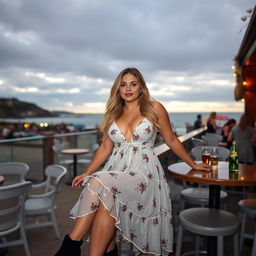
{"type": "Point", "coordinates": [130, 193]}
{"type": "Point", "coordinates": [211, 123]}
{"type": "Point", "coordinates": [227, 128]}
{"type": "Point", "coordinates": [198, 123]}
{"type": "Point", "coordinates": [243, 136]}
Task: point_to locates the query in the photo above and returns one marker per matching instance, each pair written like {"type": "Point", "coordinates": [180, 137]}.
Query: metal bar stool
{"type": "Point", "coordinates": [200, 196]}
{"type": "Point", "coordinates": [209, 222]}
{"type": "Point", "coordinates": [247, 207]}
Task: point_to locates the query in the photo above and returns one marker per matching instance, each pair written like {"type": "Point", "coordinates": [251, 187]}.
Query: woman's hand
{"type": "Point", "coordinates": [202, 167]}
{"type": "Point", "coordinates": [78, 180]}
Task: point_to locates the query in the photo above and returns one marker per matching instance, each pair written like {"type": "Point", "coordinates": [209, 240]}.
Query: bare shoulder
{"type": "Point", "coordinates": [159, 108]}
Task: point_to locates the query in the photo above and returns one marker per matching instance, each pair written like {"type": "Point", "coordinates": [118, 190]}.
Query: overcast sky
{"type": "Point", "coordinates": [65, 55]}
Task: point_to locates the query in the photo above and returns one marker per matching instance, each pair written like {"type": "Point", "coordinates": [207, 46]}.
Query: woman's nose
{"type": "Point", "coordinates": [128, 87]}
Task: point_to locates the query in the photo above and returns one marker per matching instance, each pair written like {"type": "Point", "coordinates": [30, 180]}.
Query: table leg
{"type": "Point", "coordinates": [74, 169]}
{"type": "Point", "coordinates": [214, 202]}
{"type": "Point", "coordinates": [75, 162]}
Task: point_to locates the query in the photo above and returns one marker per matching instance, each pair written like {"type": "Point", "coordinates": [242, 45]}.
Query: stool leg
{"type": "Point", "coordinates": [198, 245]}
{"type": "Point", "coordinates": [243, 220]}
{"type": "Point", "coordinates": [179, 241]}
{"type": "Point", "coordinates": [254, 243]}
{"type": "Point", "coordinates": [183, 204]}
{"type": "Point", "coordinates": [236, 244]}
{"type": "Point", "coordinates": [220, 246]}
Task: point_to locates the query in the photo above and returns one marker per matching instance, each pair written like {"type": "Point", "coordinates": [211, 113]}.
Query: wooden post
{"type": "Point", "coordinates": [48, 154]}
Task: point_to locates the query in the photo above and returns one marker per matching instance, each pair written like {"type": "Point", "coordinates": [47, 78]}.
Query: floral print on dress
{"type": "Point", "coordinates": [94, 206]}
{"type": "Point", "coordinates": [140, 207]}
{"type": "Point", "coordinates": [136, 137]}
{"type": "Point", "coordinates": [141, 187]}
{"type": "Point", "coordinates": [113, 132]}
{"type": "Point", "coordinates": [147, 130]}
{"type": "Point", "coordinates": [114, 175]}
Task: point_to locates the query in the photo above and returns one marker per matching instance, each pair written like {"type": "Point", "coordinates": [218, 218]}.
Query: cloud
{"type": "Point", "coordinates": [66, 54]}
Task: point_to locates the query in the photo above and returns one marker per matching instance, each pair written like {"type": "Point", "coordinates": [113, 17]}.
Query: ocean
{"type": "Point", "coordinates": [179, 121]}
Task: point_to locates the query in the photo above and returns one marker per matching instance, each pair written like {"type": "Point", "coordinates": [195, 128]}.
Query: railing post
{"type": "Point", "coordinates": [48, 154]}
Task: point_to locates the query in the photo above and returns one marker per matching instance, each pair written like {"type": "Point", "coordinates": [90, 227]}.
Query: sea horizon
{"type": "Point", "coordinates": [179, 120]}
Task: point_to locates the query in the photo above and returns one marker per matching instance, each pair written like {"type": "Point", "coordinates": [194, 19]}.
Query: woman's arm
{"type": "Point", "coordinates": [101, 155]}
{"type": "Point", "coordinates": [230, 136]}
{"type": "Point", "coordinates": [171, 139]}
{"type": "Point", "coordinates": [226, 131]}
{"type": "Point", "coordinates": [214, 125]}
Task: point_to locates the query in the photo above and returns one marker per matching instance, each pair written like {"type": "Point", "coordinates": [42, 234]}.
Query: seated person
{"type": "Point", "coordinates": [243, 135]}
{"type": "Point", "coordinates": [198, 123]}
{"type": "Point", "coordinates": [227, 128]}
{"type": "Point", "coordinates": [211, 124]}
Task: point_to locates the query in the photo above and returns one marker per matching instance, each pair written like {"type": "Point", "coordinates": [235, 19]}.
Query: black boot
{"type": "Point", "coordinates": [69, 247]}
{"type": "Point", "coordinates": [114, 252]}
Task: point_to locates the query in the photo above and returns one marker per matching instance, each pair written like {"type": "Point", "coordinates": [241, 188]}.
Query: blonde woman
{"type": "Point", "coordinates": [211, 123]}
{"type": "Point", "coordinates": [130, 193]}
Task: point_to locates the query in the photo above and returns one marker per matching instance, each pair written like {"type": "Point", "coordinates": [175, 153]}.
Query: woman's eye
{"type": "Point", "coordinates": [134, 84]}
{"type": "Point", "coordinates": [122, 85]}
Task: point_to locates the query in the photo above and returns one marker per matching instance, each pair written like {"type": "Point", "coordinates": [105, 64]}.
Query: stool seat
{"type": "Point", "coordinates": [247, 206]}
{"type": "Point", "coordinates": [200, 196]}
{"type": "Point", "coordinates": [209, 222]}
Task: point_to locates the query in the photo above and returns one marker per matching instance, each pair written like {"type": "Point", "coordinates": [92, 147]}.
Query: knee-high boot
{"type": "Point", "coordinates": [114, 252]}
{"type": "Point", "coordinates": [69, 247]}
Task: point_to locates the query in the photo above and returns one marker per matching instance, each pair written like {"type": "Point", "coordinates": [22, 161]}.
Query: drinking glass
{"type": "Point", "coordinates": [214, 158]}
{"type": "Point", "coordinates": [206, 155]}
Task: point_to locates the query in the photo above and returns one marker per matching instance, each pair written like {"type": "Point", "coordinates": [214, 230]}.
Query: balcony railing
{"type": "Point", "coordinates": [37, 151]}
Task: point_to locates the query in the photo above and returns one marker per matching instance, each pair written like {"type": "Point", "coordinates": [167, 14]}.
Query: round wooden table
{"type": "Point", "coordinates": [246, 176]}
{"type": "Point", "coordinates": [75, 152]}
{"type": "Point", "coordinates": [1, 179]}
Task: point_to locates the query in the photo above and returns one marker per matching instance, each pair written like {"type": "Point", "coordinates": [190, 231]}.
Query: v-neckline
{"type": "Point", "coordinates": [135, 128]}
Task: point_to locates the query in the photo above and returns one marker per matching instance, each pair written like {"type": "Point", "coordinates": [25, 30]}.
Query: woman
{"type": "Point", "coordinates": [243, 135]}
{"type": "Point", "coordinates": [130, 193]}
{"type": "Point", "coordinates": [227, 128]}
{"type": "Point", "coordinates": [211, 124]}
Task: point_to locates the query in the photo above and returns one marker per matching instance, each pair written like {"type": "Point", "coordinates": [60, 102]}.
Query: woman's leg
{"type": "Point", "coordinates": [112, 243]}
{"type": "Point", "coordinates": [82, 226]}
{"type": "Point", "coordinates": [72, 243]}
{"type": "Point", "coordinates": [102, 231]}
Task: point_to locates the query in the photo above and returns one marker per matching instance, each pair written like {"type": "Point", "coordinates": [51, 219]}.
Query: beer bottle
{"type": "Point", "coordinates": [233, 159]}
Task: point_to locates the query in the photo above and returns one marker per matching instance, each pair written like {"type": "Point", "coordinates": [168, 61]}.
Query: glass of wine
{"type": "Point", "coordinates": [206, 155]}
{"type": "Point", "coordinates": [214, 158]}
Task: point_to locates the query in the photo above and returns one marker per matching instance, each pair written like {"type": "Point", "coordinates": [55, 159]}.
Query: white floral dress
{"type": "Point", "coordinates": [133, 187]}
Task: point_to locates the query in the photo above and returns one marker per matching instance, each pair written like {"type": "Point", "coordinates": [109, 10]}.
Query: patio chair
{"type": "Point", "coordinates": [14, 172]}
{"type": "Point", "coordinates": [212, 139]}
{"type": "Point", "coordinates": [12, 199]}
{"type": "Point", "coordinates": [60, 158]}
{"type": "Point", "coordinates": [44, 204]}
{"type": "Point", "coordinates": [197, 142]}
{"type": "Point", "coordinates": [86, 160]}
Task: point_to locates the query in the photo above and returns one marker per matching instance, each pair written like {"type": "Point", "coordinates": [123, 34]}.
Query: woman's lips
{"type": "Point", "coordinates": [128, 94]}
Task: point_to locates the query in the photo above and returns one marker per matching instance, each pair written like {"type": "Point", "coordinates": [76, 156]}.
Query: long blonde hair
{"type": "Point", "coordinates": [211, 116]}
{"type": "Point", "coordinates": [115, 104]}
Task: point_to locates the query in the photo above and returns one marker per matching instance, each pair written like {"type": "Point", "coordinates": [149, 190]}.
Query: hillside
{"type": "Point", "coordinates": [13, 108]}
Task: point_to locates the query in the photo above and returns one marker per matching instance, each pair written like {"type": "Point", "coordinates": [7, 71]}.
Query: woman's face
{"type": "Point", "coordinates": [129, 88]}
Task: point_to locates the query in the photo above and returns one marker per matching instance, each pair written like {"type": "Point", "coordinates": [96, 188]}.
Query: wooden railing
{"type": "Point", "coordinates": [167, 157]}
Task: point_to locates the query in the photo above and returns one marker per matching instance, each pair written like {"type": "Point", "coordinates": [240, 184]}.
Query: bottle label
{"type": "Point", "coordinates": [233, 154]}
